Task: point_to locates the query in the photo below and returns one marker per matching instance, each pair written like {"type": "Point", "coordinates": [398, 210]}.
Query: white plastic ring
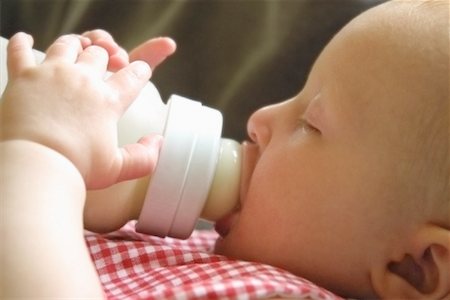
{"type": "Point", "coordinates": [184, 173]}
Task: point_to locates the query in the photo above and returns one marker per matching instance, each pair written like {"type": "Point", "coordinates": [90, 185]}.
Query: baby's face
{"type": "Point", "coordinates": [323, 175]}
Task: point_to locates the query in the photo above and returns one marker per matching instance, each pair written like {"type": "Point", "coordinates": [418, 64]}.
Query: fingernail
{"type": "Point", "coordinates": [156, 141]}
{"type": "Point", "coordinates": [141, 69]}
{"type": "Point", "coordinates": [85, 41]}
{"type": "Point", "coordinates": [24, 35]}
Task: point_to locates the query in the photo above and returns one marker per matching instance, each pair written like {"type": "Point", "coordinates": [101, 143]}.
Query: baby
{"type": "Point", "coordinates": [346, 184]}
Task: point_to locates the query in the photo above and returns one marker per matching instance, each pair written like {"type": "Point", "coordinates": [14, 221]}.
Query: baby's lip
{"type": "Point", "coordinates": [223, 226]}
{"type": "Point", "coordinates": [250, 155]}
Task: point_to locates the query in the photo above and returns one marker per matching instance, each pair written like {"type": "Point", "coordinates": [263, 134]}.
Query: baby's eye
{"type": "Point", "coordinates": [306, 127]}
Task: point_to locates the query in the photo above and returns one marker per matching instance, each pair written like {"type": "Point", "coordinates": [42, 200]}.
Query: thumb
{"type": "Point", "coordinates": [139, 159]}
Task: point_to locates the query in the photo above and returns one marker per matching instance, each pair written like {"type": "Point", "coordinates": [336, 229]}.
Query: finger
{"type": "Point", "coordinates": [128, 82]}
{"type": "Point", "coordinates": [85, 42]}
{"type": "Point", "coordinates": [98, 34]}
{"type": "Point", "coordinates": [118, 61]}
{"type": "Point", "coordinates": [118, 56]}
{"type": "Point", "coordinates": [65, 48]}
{"type": "Point", "coordinates": [154, 51]}
{"type": "Point", "coordinates": [20, 54]}
{"type": "Point", "coordinates": [137, 160]}
{"type": "Point", "coordinates": [103, 39]}
{"type": "Point", "coordinates": [94, 57]}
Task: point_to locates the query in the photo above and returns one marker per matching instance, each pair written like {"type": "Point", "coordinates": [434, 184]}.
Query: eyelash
{"type": "Point", "coordinates": [306, 127]}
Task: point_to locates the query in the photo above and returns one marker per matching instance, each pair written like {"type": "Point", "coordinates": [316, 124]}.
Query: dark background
{"type": "Point", "coordinates": [232, 55]}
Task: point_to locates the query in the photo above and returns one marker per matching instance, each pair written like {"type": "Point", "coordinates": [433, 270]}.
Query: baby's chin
{"type": "Point", "coordinates": [224, 247]}
{"type": "Point", "coordinates": [233, 246]}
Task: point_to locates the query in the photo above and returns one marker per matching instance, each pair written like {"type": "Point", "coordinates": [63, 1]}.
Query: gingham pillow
{"type": "Point", "coordinates": [138, 266]}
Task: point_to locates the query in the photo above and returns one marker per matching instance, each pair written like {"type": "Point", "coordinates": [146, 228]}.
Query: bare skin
{"type": "Point", "coordinates": [72, 92]}
{"type": "Point", "coordinates": [345, 184]}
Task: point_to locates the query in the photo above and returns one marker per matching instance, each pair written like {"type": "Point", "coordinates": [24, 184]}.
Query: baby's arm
{"type": "Point", "coordinates": [42, 245]}
{"type": "Point", "coordinates": [58, 136]}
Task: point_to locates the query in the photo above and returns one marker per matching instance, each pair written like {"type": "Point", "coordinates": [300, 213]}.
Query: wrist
{"type": "Point", "coordinates": [17, 147]}
{"type": "Point", "coordinates": [29, 168]}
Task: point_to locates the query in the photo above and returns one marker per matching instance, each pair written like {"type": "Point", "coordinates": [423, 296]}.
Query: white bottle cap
{"type": "Point", "coordinates": [185, 170]}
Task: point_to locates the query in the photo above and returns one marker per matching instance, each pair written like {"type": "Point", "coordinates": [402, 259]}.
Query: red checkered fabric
{"type": "Point", "coordinates": [138, 266]}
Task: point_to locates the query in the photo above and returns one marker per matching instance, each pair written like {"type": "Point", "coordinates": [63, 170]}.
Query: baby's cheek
{"type": "Point", "coordinates": [250, 230]}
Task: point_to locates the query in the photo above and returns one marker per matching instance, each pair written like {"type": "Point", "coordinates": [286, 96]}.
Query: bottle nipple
{"type": "Point", "coordinates": [224, 192]}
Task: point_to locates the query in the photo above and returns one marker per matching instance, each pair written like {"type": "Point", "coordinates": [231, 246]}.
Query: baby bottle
{"type": "Point", "coordinates": [197, 174]}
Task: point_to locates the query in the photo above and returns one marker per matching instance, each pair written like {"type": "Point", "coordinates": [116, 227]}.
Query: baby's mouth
{"type": "Point", "coordinates": [250, 155]}
{"type": "Point", "coordinates": [223, 226]}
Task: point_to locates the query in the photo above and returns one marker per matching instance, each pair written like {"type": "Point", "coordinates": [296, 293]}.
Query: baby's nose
{"type": "Point", "coordinates": [259, 126]}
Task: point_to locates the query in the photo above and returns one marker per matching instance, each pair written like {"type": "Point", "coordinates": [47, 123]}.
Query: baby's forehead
{"type": "Point", "coordinates": [404, 37]}
{"type": "Point", "coordinates": [399, 38]}
{"type": "Point", "coordinates": [378, 68]}
{"type": "Point", "coordinates": [415, 22]}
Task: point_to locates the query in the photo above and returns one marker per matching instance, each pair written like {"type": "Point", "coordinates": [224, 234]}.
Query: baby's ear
{"type": "Point", "coordinates": [423, 272]}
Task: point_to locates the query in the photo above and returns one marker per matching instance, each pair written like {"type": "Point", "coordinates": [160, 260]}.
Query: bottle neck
{"type": "Point", "coordinates": [146, 115]}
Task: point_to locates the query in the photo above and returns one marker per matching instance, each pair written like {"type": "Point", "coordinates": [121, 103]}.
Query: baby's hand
{"type": "Point", "coordinates": [154, 51]}
{"type": "Point", "coordinates": [66, 104]}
